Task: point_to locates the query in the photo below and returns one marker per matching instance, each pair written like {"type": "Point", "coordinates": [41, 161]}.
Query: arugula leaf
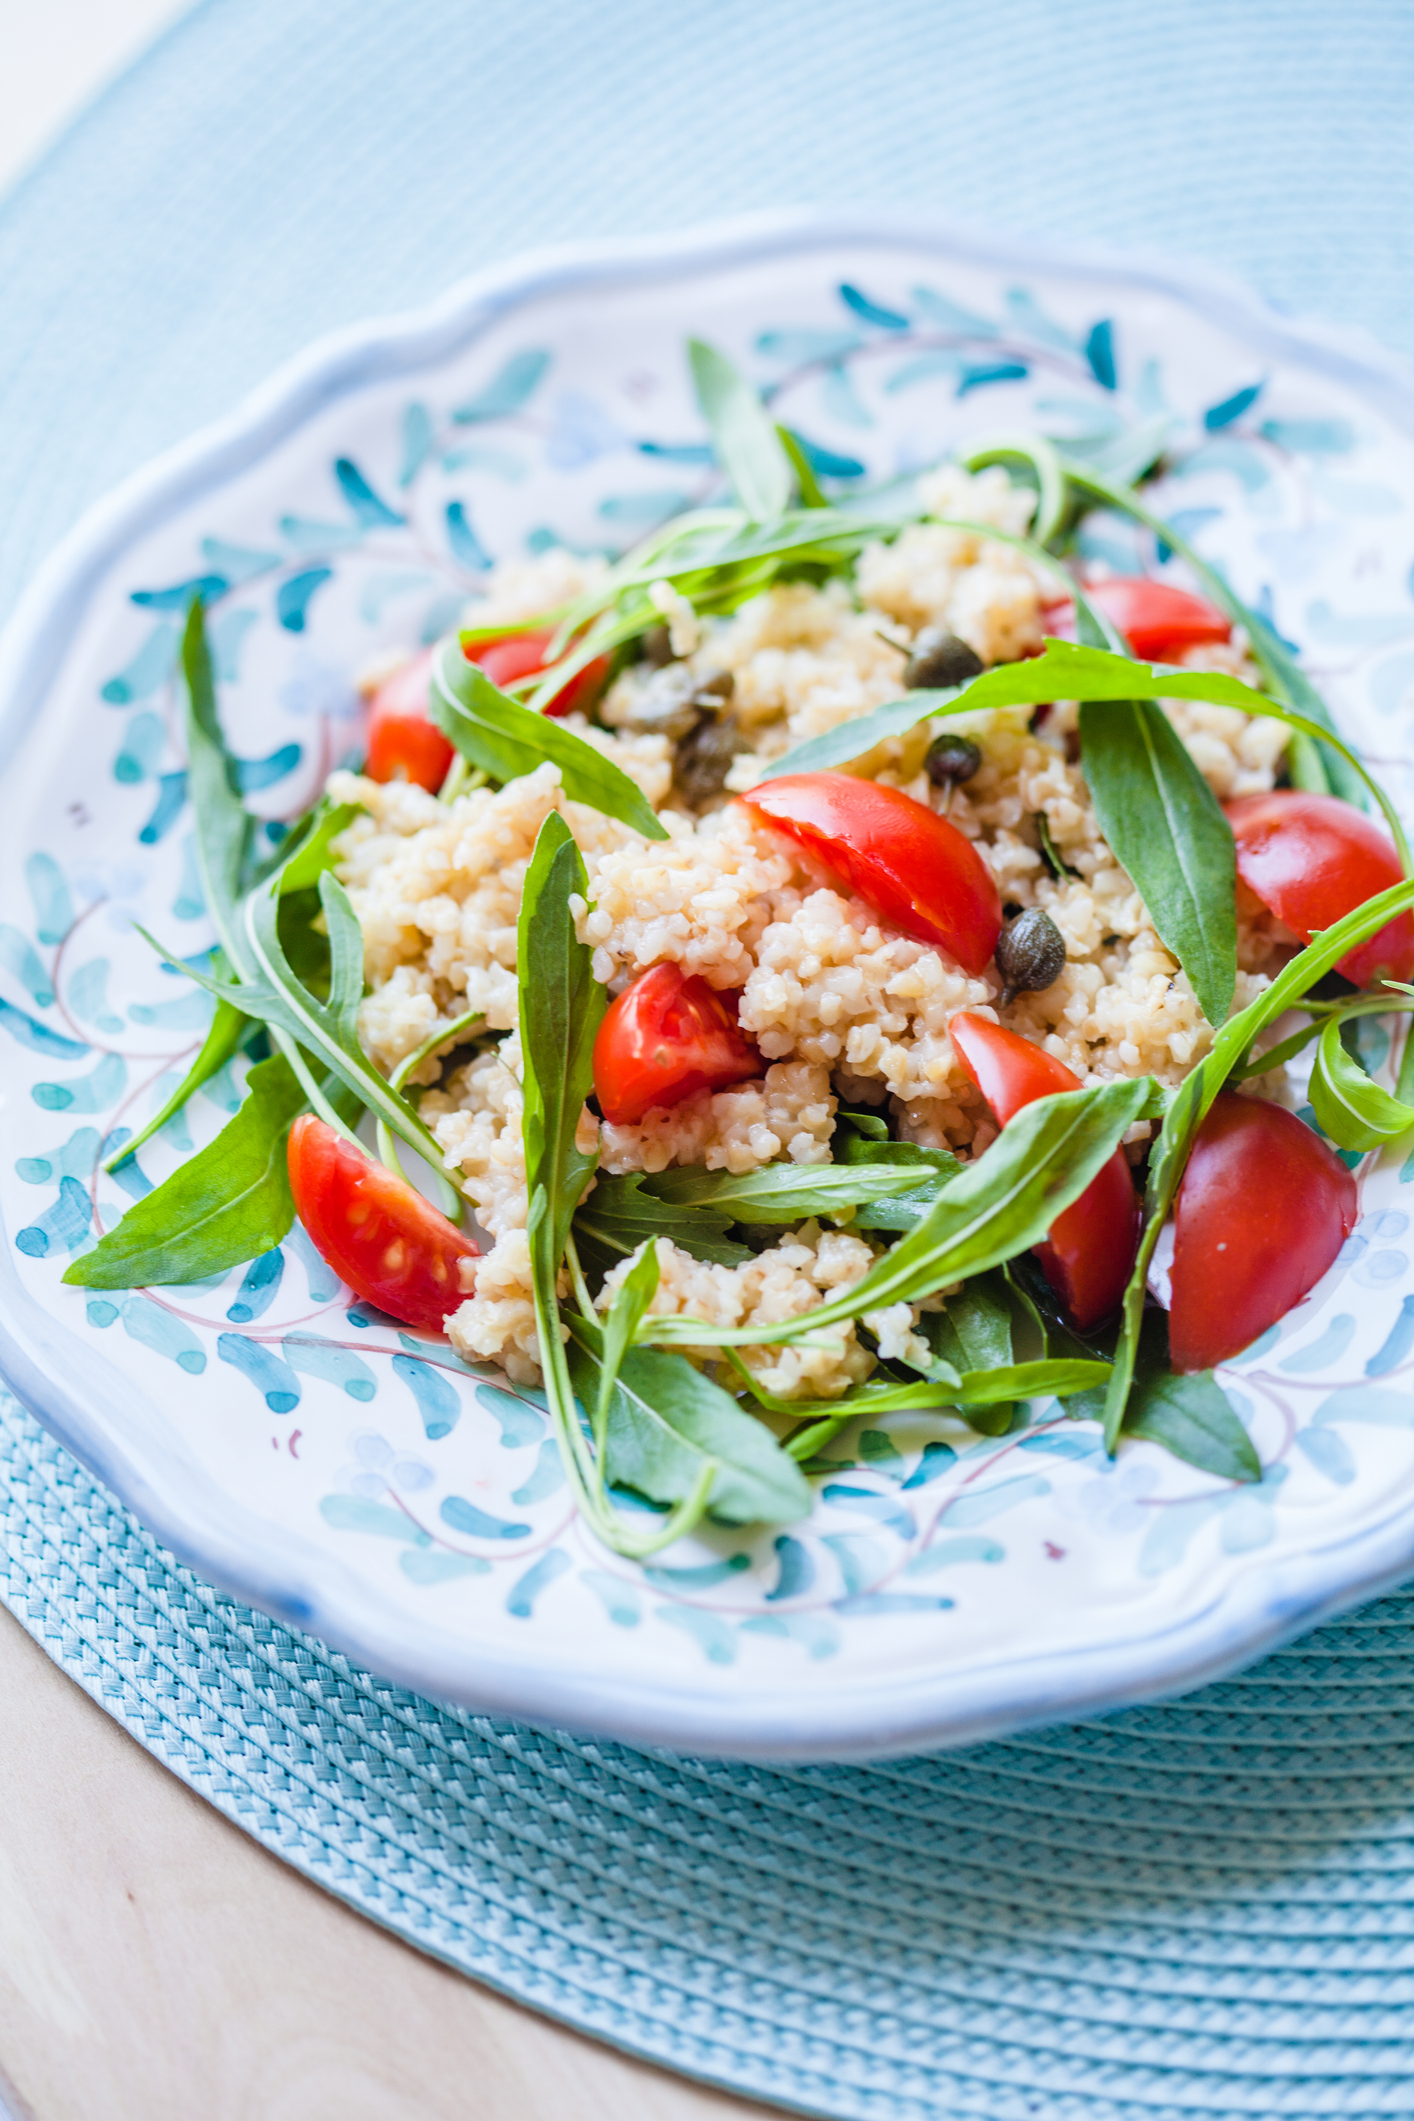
{"type": "Point", "coordinates": [301, 868]}
{"type": "Point", "coordinates": [227, 1204]}
{"type": "Point", "coordinates": [931, 1168]}
{"type": "Point", "coordinates": [1168, 832]}
{"type": "Point", "coordinates": [1076, 671]}
{"type": "Point", "coordinates": [561, 1004]}
{"type": "Point", "coordinates": [974, 1334]}
{"type": "Point", "coordinates": [1278, 666]}
{"type": "Point", "coordinates": [850, 740]}
{"type": "Point", "coordinates": [975, 1394]}
{"type": "Point", "coordinates": [1060, 1375]}
{"type": "Point", "coordinates": [749, 447]}
{"type": "Point", "coordinates": [327, 1029]}
{"type": "Point", "coordinates": [868, 1126]}
{"type": "Point", "coordinates": [1043, 1159]}
{"type": "Point", "coordinates": [781, 1193]}
{"type": "Point", "coordinates": [223, 825]}
{"type": "Point", "coordinates": [1189, 1415]}
{"type": "Point", "coordinates": [1189, 1107]}
{"type": "Point", "coordinates": [1354, 1111]}
{"type": "Point", "coordinates": [1007, 684]}
{"type": "Point", "coordinates": [810, 493]}
{"type": "Point", "coordinates": [1343, 1012]}
{"type": "Point", "coordinates": [618, 1216]}
{"type": "Point", "coordinates": [631, 1299]}
{"type": "Point", "coordinates": [507, 740]}
{"type": "Point", "coordinates": [662, 1426]}
{"type": "Point", "coordinates": [671, 1433]}
{"type": "Point", "coordinates": [974, 1331]}
{"type": "Point", "coordinates": [1069, 670]}
{"type": "Point", "coordinates": [223, 1038]}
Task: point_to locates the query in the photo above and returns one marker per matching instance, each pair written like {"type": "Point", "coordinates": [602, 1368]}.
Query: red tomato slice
{"type": "Point", "coordinates": [521, 655]}
{"type": "Point", "coordinates": [1311, 859]}
{"type": "Point", "coordinates": [403, 744]}
{"type": "Point", "coordinates": [1158, 621]}
{"type": "Point", "coordinates": [377, 1232]}
{"type": "Point", "coordinates": [1263, 1210]}
{"type": "Point", "coordinates": [665, 1037]}
{"type": "Point", "coordinates": [913, 868]}
{"type": "Point", "coordinates": [1090, 1251]}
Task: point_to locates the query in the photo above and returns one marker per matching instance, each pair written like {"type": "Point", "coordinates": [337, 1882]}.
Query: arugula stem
{"type": "Point", "coordinates": [1278, 1056]}
{"type": "Point", "coordinates": [1041, 455]}
{"type": "Point", "coordinates": [812, 1436]}
{"type": "Point", "coordinates": [444, 1036]}
{"type": "Point", "coordinates": [581, 1287]}
{"type": "Point", "coordinates": [461, 778]}
{"type": "Point", "coordinates": [1404, 1081]}
{"type": "Point", "coordinates": [290, 1048]}
{"type": "Point", "coordinates": [450, 1198]}
{"type": "Point", "coordinates": [586, 1469]}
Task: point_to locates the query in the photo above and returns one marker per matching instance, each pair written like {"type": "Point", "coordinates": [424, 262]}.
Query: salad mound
{"type": "Point", "coordinates": [822, 950]}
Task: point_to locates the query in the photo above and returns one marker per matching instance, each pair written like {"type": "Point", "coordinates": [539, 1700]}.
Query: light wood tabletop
{"type": "Point", "coordinates": [157, 1965]}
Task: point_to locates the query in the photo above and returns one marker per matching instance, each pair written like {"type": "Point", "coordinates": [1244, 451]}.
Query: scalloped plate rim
{"type": "Point", "coordinates": [305, 1587]}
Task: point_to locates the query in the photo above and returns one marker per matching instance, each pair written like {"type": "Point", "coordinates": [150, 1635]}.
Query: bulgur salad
{"type": "Point", "coordinates": [808, 963]}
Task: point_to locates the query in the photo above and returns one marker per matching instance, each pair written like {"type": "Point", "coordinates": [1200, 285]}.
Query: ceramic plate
{"type": "Point", "coordinates": [363, 1484]}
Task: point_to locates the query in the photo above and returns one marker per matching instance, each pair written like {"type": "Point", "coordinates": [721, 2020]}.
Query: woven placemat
{"type": "Point", "coordinates": [1202, 1909]}
{"type": "Point", "coordinates": [270, 171]}
{"type": "Point", "coordinates": [1197, 1910]}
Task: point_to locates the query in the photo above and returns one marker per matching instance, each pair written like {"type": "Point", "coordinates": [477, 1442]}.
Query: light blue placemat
{"type": "Point", "coordinates": [1196, 1911]}
{"type": "Point", "coordinates": [275, 169]}
{"type": "Point", "coordinates": [1200, 1910]}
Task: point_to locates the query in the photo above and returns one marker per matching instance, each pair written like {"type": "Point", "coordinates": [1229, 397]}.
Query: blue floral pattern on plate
{"type": "Point", "coordinates": [322, 1461]}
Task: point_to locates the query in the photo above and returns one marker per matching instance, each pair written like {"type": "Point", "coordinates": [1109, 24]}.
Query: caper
{"type": "Point", "coordinates": [1030, 954]}
{"type": "Point", "coordinates": [939, 659]}
{"type": "Point", "coordinates": [704, 758]}
{"type": "Point", "coordinates": [669, 701]}
{"type": "Point", "coordinates": [951, 758]}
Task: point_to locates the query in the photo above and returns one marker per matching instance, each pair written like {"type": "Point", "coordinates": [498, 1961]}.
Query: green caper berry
{"type": "Point", "coordinates": [939, 660]}
{"type": "Point", "coordinates": [950, 759]}
{"type": "Point", "coordinates": [1030, 954]}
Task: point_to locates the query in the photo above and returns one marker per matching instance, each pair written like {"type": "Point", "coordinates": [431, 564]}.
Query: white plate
{"type": "Point", "coordinates": [371, 1490]}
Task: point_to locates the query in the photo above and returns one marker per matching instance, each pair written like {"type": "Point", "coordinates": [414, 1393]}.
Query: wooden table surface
{"type": "Point", "coordinates": [156, 1965]}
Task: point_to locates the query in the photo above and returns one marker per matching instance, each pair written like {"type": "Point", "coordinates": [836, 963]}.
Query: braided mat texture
{"type": "Point", "coordinates": [1198, 1910]}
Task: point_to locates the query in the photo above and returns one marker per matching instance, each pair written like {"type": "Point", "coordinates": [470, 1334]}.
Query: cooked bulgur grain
{"type": "Point", "coordinates": [841, 1007]}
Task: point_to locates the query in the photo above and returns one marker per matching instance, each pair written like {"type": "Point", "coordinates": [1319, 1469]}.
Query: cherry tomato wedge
{"type": "Point", "coordinates": [1158, 621]}
{"type": "Point", "coordinates": [390, 1245]}
{"type": "Point", "coordinates": [1090, 1250]}
{"type": "Point", "coordinates": [1263, 1209]}
{"type": "Point", "coordinates": [666, 1036]}
{"type": "Point", "coordinates": [522, 655]}
{"type": "Point", "coordinates": [1312, 858]}
{"type": "Point", "coordinates": [914, 869]}
{"type": "Point", "coordinates": [403, 744]}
